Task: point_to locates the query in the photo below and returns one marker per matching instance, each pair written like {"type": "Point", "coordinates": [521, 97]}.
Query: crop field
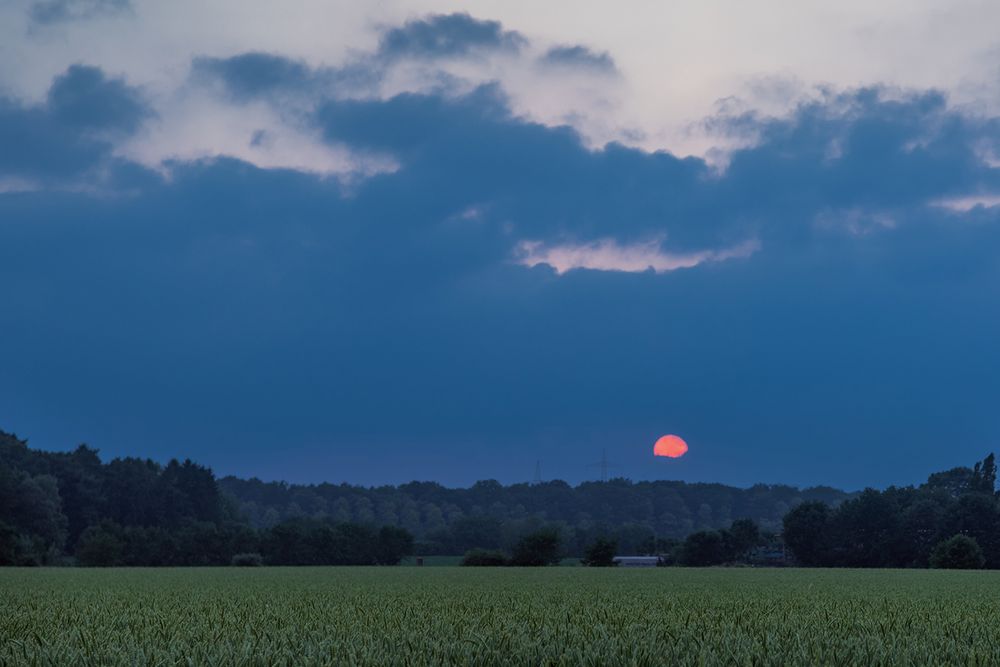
{"type": "Point", "coordinates": [458, 616]}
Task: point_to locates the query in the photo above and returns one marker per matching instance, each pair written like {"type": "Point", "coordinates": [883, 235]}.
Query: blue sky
{"type": "Point", "coordinates": [452, 244]}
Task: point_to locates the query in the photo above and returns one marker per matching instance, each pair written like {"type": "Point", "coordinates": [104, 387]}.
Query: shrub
{"type": "Point", "coordinates": [601, 553]}
{"type": "Point", "coordinates": [484, 558]}
{"type": "Point", "coordinates": [248, 560]}
{"type": "Point", "coordinates": [959, 552]}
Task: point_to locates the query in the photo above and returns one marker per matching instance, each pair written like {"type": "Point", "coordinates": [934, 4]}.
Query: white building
{"type": "Point", "coordinates": [637, 561]}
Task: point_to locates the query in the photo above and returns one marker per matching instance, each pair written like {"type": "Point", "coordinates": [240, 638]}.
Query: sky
{"type": "Point", "coordinates": [385, 241]}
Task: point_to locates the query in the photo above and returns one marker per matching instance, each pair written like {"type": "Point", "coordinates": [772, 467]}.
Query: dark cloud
{"type": "Point", "coordinates": [250, 75]}
{"type": "Point", "coordinates": [73, 131]}
{"type": "Point", "coordinates": [447, 35]}
{"type": "Point", "coordinates": [47, 12]}
{"type": "Point", "coordinates": [258, 75]}
{"type": "Point", "coordinates": [863, 151]}
{"type": "Point", "coordinates": [579, 56]}
{"type": "Point", "coordinates": [85, 99]}
{"type": "Point", "coordinates": [274, 323]}
{"type": "Point", "coordinates": [255, 75]}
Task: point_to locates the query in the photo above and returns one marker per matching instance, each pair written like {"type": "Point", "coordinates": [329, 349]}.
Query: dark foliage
{"type": "Point", "coordinates": [959, 552]}
{"type": "Point", "coordinates": [742, 536]}
{"type": "Point", "coordinates": [806, 532]}
{"type": "Point", "coordinates": [706, 547]}
{"type": "Point", "coordinates": [317, 542]}
{"type": "Point", "coordinates": [101, 545]}
{"type": "Point", "coordinates": [484, 558]}
{"type": "Point", "coordinates": [601, 553]}
{"type": "Point", "coordinates": [247, 560]}
{"type": "Point", "coordinates": [57, 506]}
{"type": "Point", "coordinates": [899, 527]}
{"type": "Point", "coordinates": [536, 549]}
{"type": "Point", "coordinates": [716, 547]}
{"type": "Point", "coordinates": [644, 517]}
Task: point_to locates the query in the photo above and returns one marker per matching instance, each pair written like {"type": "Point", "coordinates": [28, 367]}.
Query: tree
{"type": "Point", "coordinates": [476, 531]}
{"type": "Point", "coordinates": [393, 544]}
{"type": "Point", "coordinates": [128, 501]}
{"type": "Point", "coordinates": [247, 560]}
{"type": "Point", "coordinates": [31, 508]}
{"type": "Point", "coordinates": [959, 552]}
{"type": "Point", "coordinates": [704, 548]}
{"type": "Point", "coordinates": [742, 536]}
{"type": "Point", "coordinates": [984, 476]}
{"type": "Point", "coordinates": [976, 514]}
{"type": "Point", "coordinates": [299, 542]}
{"type": "Point", "coordinates": [189, 491]}
{"type": "Point", "coordinates": [81, 479]}
{"type": "Point", "coordinates": [954, 482]}
{"type": "Point", "coordinates": [538, 548]}
{"type": "Point", "coordinates": [805, 532]}
{"type": "Point", "coordinates": [601, 553]}
{"type": "Point", "coordinates": [484, 558]}
{"type": "Point", "coordinates": [861, 532]}
{"type": "Point", "coordinates": [920, 526]}
{"type": "Point", "coordinates": [100, 545]}
{"type": "Point", "coordinates": [8, 544]}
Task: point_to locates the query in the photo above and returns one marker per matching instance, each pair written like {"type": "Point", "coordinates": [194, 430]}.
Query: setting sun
{"type": "Point", "coordinates": [671, 446]}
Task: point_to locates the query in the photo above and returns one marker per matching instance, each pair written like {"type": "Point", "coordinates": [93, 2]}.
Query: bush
{"type": "Point", "coordinates": [959, 552]}
{"type": "Point", "coordinates": [484, 558]}
{"type": "Point", "coordinates": [537, 549]}
{"type": "Point", "coordinates": [601, 553]}
{"type": "Point", "coordinates": [248, 560]}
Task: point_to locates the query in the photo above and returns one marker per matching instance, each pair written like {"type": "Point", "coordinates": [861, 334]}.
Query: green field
{"type": "Point", "coordinates": [550, 616]}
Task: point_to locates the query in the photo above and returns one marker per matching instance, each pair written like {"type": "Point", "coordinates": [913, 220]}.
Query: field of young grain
{"type": "Point", "coordinates": [452, 616]}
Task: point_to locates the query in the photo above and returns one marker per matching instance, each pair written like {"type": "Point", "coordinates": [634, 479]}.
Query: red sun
{"type": "Point", "coordinates": [671, 446]}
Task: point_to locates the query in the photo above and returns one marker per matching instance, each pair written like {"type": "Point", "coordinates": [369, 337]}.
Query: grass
{"type": "Point", "coordinates": [452, 616]}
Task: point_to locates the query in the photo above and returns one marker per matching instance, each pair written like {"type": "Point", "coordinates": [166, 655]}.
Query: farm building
{"type": "Point", "coordinates": [637, 561]}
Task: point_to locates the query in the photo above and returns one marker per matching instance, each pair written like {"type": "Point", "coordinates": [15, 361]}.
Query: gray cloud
{"type": "Point", "coordinates": [250, 75]}
{"type": "Point", "coordinates": [448, 35]}
{"type": "Point", "coordinates": [83, 97]}
{"type": "Point", "coordinates": [73, 132]}
{"type": "Point", "coordinates": [47, 12]}
{"type": "Point", "coordinates": [579, 56]}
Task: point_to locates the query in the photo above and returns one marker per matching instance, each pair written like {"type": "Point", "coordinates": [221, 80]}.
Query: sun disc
{"type": "Point", "coordinates": [671, 446]}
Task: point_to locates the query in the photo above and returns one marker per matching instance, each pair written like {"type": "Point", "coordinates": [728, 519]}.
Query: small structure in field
{"type": "Point", "coordinates": [637, 561]}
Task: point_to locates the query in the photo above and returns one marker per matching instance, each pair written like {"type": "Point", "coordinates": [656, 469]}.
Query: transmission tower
{"type": "Point", "coordinates": [603, 465]}
{"type": "Point", "coordinates": [538, 472]}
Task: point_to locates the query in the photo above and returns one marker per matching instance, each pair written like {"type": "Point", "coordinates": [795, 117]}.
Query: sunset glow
{"type": "Point", "coordinates": [670, 446]}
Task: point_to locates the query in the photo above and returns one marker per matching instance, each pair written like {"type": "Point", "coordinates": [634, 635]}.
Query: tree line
{"type": "Point", "coordinates": [739, 544]}
{"type": "Point", "coordinates": [952, 520]}
{"type": "Point", "coordinates": [66, 507]}
{"type": "Point", "coordinates": [493, 516]}
{"type": "Point", "coordinates": [59, 508]}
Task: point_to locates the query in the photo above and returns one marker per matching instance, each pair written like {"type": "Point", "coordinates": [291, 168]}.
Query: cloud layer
{"type": "Point", "coordinates": [279, 265]}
